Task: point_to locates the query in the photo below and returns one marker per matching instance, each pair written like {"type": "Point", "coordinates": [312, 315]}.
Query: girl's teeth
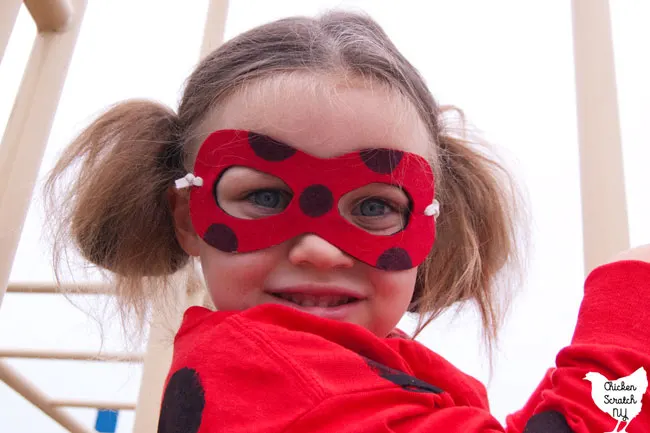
{"type": "Point", "coordinates": [323, 302]}
{"type": "Point", "coordinates": [309, 301]}
{"type": "Point", "coordinates": [315, 301]}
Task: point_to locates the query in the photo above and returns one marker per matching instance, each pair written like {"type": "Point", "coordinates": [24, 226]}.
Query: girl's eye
{"type": "Point", "coordinates": [246, 193]}
{"type": "Point", "coordinates": [373, 208]}
{"type": "Point", "coordinates": [269, 198]}
{"type": "Point", "coordinates": [379, 216]}
{"type": "Point", "coordinates": [265, 198]}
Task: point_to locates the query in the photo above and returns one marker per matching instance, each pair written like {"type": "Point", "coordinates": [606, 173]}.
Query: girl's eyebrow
{"type": "Point", "coordinates": [353, 150]}
{"type": "Point", "coordinates": [243, 173]}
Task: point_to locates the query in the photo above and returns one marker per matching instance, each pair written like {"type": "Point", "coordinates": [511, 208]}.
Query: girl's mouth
{"type": "Point", "coordinates": [342, 305]}
{"type": "Point", "coordinates": [321, 301]}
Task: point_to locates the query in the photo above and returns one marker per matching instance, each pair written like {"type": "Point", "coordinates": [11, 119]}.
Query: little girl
{"type": "Point", "coordinates": [309, 170]}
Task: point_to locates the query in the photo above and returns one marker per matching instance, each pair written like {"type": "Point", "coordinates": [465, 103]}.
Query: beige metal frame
{"type": "Point", "coordinates": [604, 205]}
{"type": "Point", "coordinates": [28, 129]}
{"type": "Point", "coordinates": [34, 395]}
{"type": "Point", "coordinates": [23, 145]}
{"type": "Point", "coordinates": [58, 22]}
{"type": "Point", "coordinates": [159, 353]}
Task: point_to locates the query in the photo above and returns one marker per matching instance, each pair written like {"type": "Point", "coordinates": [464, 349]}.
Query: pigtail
{"type": "Point", "coordinates": [106, 198]}
{"type": "Point", "coordinates": [480, 235]}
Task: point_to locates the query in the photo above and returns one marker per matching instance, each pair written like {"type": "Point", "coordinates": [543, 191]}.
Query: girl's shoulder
{"type": "Point", "coordinates": [328, 357]}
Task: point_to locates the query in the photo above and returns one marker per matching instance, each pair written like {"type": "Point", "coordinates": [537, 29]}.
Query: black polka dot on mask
{"type": "Point", "coordinates": [221, 237]}
{"type": "Point", "coordinates": [183, 403]}
{"type": "Point", "coordinates": [268, 149]}
{"type": "Point", "coordinates": [382, 161]}
{"type": "Point", "coordinates": [316, 200]}
{"type": "Point", "coordinates": [394, 259]}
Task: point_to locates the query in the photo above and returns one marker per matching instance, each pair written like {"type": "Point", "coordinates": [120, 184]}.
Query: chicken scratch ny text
{"type": "Point", "coordinates": [620, 400]}
{"type": "Point", "coordinates": [612, 386]}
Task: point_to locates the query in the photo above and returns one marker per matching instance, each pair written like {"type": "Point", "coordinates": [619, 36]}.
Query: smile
{"type": "Point", "coordinates": [322, 301]}
{"type": "Point", "coordinates": [336, 303]}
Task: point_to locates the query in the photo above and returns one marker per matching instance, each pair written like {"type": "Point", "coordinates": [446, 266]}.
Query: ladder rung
{"type": "Point", "coordinates": [90, 288]}
{"type": "Point", "coordinates": [108, 405]}
{"type": "Point", "coordinates": [34, 395]}
{"type": "Point", "coordinates": [72, 356]}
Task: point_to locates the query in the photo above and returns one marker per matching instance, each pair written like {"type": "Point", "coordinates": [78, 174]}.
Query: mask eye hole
{"type": "Point", "coordinates": [377, 208]}
{"type": "Point", "coordinates": [246, 193]}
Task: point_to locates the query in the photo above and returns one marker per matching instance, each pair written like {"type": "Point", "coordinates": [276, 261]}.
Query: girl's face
{"type": "Point", "coordinates": [325, 118]}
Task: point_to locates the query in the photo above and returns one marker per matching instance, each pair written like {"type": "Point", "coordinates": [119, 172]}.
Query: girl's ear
{"type": "Point", "coordinates": [179, 202]}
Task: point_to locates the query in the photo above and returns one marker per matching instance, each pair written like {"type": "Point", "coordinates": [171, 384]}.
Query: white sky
{"type": "Point", "coordinates": [507, 63]}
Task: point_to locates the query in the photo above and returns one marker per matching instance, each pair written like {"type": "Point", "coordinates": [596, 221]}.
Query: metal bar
{"type": "Point", "coordinates": [50, 15]}
{"type": "Point", "coordinates": [604, 207]}
{"type": "Point", "coordinates": [8, 14]}
{"type": "Point", "coordinates": [51, 288]}
{"type": "Point", "coordinates": [28, 130]}
{"type": "Point", "coordinates": [71, 356]}
{"type": "Point", "coordinates": [107, 405]}
{"type": "Point", "coordinates": [157, 360]}
{"type": "Point", "coordinates": [158, 357]}
{"type": "Point", "coordinates": [34, 395]}
{"type": "Point", "coordinates": [159, 350]}
{"type": "Point", "coordinates": [215, 26]}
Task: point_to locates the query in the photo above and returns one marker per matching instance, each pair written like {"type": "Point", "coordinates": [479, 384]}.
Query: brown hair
{"type": "Point", "coordinates": [116, 210]}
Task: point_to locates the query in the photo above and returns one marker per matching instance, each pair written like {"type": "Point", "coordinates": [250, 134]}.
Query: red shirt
{"type": "Point", "coordinates": [275, 369]}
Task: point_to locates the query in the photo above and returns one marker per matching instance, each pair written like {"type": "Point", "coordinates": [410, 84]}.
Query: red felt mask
{"type": "Point", "coordinates": [317, 185]}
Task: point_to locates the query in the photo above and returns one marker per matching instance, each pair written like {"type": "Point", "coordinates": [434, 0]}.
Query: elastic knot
{"type": "Point", "coordinates": [433, 209]}
{"type": "Point", "coordinates": [188, 180]}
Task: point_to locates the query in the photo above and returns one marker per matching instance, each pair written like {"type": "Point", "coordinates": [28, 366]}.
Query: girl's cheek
{"type": "Point", "coordinates": [396, 285]}
{"type": "Point", "coordinates": [237, 270]}
{"type": "Point", "coordinates": [235, 280]}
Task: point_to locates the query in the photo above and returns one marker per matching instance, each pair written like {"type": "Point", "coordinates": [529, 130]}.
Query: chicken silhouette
{"type": "Point", "coordinates": [621, 398]}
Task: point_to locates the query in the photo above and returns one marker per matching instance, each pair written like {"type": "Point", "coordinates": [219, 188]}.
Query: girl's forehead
{"type": "Point", "coordinates": [323, 117]}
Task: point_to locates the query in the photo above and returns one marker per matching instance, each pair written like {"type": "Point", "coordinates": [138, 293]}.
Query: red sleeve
{"type": "Point", "coordinates": [612, 337]}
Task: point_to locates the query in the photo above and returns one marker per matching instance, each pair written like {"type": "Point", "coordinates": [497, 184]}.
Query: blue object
{"type": "Point", "coordinates": [106, 421]}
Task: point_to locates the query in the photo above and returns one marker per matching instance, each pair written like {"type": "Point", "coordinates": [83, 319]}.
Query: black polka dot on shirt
{"type": "Point", "coordinates": [316, 200]}
{"type": "Point", "coordinates": [268, 149]}
{"type": "Point", "coordinates": [547, 422]}
{"type": "Point", "coordinates": [382, 161]}
{"type": "Point", "coordinates": [183, 403]}
{"type": "Point", "coordinates": [394, 259]}
{"type": "Point", "coordinates": [221, 237]}
{"type": "Point", "coordinates": [407, 382]}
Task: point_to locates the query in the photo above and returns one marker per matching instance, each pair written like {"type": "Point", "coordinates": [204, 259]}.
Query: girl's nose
{"type": "Point", "coordinates": [312, 250]}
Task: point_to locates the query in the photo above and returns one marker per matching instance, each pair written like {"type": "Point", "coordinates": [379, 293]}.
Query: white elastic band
{"type": "Point", "coordinates": [433, 209]}
{"type": "Point", "coordinates": [188, 180]}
